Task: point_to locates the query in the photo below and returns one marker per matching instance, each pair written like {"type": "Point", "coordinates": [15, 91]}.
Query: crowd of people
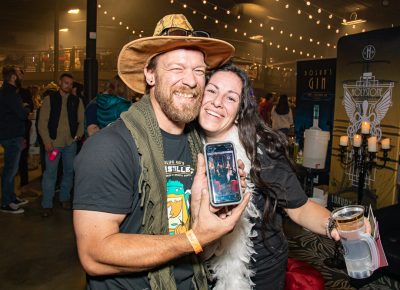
{"type": "Point", "coordinates": [141, 209]}
{"type": "Point", "coordinates": [46, 126]}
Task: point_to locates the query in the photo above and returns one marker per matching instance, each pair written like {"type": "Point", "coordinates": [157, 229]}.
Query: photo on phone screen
{"type": "Point", "coordinates": [222, 173]}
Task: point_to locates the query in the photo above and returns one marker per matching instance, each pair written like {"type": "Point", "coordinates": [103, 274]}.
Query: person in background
{"type": "Point", "coordinates": [257, 250]}
{"type": "Point", "coordinates": [108, 106]}
{"type": "Point", "coordinates": [135, 225]}
{"type": "Point", "coordinates": [264, 108]}
{"type": "Point", "coordinates": [60, 127]}
{"type": "Point", "coordinates": [34, 154]}
{"type": "Point", "coordinates": [13, 115]}
{"type": "Point", "coordinates": [48, 90]}
{"type": "Point", "coordinates": [23, 171]}
{"type": "Point", "coordinates": [79, 91]}
{"type": "Point", "coordinates": [281, 115]}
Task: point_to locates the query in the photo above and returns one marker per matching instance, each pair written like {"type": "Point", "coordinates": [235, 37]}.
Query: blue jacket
{"type": "Point", "coordinates": [109, 108]}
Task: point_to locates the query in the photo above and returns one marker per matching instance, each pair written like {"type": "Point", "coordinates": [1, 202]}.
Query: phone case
{"type": "Point", "coordinates": [232, 189]}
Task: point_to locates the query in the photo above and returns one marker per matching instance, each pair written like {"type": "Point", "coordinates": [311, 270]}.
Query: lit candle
{"type": "Point", "coordinates": [372, 144]}
{"type": "Point", "coordinates": [385, 143]}
{"type": "Point", "coordinates": [365, 126]}
{"type": "Point", "coordinates": [344, 140]}
{"type": "Point", "coordinates": [357, 140]}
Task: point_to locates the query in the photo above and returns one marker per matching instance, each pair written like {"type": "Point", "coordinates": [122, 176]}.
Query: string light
{"type": "Point", "coordinates": [215, 7]}
{"type": "Point", "coordinates": [113, 18]}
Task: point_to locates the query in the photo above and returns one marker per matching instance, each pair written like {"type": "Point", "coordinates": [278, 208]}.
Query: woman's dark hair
{"type": "Point", "coordinates": [252, 132]}
{"type": "Point", "coordinates": [283, 105]}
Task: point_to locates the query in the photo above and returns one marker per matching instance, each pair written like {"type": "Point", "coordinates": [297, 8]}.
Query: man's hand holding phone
{"type": "Point", "coordinates": [206, 223]}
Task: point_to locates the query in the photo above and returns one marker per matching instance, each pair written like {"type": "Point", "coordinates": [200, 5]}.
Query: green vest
{"type": "Point", "coordinates": [142, 123]}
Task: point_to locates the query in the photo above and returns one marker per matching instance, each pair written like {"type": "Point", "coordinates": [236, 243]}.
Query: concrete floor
{"type": "Point", "coordinates": [38, 253]}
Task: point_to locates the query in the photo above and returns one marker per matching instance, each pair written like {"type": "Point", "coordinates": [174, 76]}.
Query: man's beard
{"type": "Point", "coordinates": [179, 113]}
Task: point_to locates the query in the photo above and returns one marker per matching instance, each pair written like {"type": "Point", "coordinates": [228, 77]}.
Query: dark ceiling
{"type": "Point", "coordinates": [278, 18]}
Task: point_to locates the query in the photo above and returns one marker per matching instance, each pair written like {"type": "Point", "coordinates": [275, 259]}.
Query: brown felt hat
{"type": "Point", "coordinates": [135, 55]}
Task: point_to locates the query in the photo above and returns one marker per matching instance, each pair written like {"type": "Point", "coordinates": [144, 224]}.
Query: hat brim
{"type": "Point", "coordinates": [135, 55]}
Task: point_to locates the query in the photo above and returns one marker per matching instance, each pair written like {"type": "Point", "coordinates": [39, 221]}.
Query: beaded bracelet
{"type": "Point", "coordinates": [329, 226]}
{"type": "Point", "coordinates": [194, 242]}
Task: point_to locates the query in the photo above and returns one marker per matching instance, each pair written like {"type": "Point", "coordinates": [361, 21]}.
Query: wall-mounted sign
{"type": "Point", "coordinates": [367, 100]}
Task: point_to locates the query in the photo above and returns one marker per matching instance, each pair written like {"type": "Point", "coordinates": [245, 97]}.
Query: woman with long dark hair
{"type": "Point", "coordinates": [254, 255]}
{"type": "Point", "coordinates": [281, 115]}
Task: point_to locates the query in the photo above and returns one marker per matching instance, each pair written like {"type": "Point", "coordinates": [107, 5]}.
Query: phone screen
{"type": "Point", "coordinates": [222, 173]}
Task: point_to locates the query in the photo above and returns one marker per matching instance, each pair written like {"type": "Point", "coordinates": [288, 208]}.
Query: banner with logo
{"type": "Point", "coordinates": [367, 88]}
{"type": "Point", "coordinates": [315, 86]}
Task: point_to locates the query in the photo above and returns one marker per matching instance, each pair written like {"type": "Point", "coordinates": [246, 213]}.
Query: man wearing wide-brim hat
{"type": "Point", "coordinates": [140, 215]}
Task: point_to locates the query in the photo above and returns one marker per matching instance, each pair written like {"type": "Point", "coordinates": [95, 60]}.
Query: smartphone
{"type": "Point", "coordinates": [222, 174]}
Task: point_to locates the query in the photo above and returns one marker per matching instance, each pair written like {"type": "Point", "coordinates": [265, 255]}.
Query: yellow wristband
{"type": "Point", "coordinates": [194, 242]}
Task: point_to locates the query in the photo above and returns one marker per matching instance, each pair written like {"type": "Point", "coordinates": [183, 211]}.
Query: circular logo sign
{"type": "Point", "coordinates": [368, 52]}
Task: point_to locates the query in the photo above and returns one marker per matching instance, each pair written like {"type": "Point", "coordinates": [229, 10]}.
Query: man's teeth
{"type": "Point", "coordinates": [184, 95]}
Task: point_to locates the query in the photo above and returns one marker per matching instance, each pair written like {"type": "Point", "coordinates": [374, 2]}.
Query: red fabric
{"type": "Point", "coordinates": [217, 185]}
{"type": "Point", "coordinates": [302, 276]}
{"type": "Point", "coordinates": [234, 186]}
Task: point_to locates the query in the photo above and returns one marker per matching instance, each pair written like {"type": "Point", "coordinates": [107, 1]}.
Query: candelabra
{"type": "Point", "coordinates": [363, 155]}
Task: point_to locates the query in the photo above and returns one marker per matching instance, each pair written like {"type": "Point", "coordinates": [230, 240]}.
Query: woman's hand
{"type": "Point", "coordinates": [335, 234]}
